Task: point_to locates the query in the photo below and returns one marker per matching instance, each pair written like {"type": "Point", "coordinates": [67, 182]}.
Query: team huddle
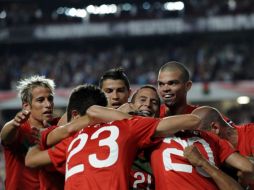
{"type": "Point", "coordinates": [110, 140]}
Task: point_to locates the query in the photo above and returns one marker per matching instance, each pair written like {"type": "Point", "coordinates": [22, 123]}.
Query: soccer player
{"type": "Point", "coordinates": [167, 160]}
{"type": "Point", "coordinates": [173, 85]}
{"type": "Point", "coordinates": [115, 84]}
{"type": "Point", "coordinates": [145, 101]}
{"type": "Point", "coordinates": [241, 137]}
{"type": "Point", "coordinates": [37, 98]}
{"type": "Point", "coordinates": [100, 156]}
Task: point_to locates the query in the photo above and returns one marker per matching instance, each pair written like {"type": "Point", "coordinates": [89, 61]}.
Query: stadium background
{"type": "Point", "coordinates": [75, 41]}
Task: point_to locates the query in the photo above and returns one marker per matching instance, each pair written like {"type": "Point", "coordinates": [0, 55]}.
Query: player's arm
{"type": "Point", "coordinates": [66, 130]}
{"type": "Point", "coordinates": [223, 181]}
{"type": "Point", "coordinates": [245, 167]}
{"type": "Point", "coordinates": [240, 162]}
{"type": "Point", "coordinates": [247, 179]}
{"type": "Point", "coordinates": [173, 124]}
{"type": "Point", "coordinates": [62, 120]}
{"type": "Point", "coordinates": [94, 114]}
{"type": "Point", "coordinates": [99, 114]}
{"type": "Point", "coordinates": [35, 157]}
{"type": "Point", "coordinates": [10, 130]}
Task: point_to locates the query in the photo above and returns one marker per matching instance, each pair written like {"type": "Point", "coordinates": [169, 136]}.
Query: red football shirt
{"type": "Point", "coordinates": [38, 179]}
{"type": "Point", "coordinates": [100, 156]}
{"type": "Point", "coordinates": [173, 171]}
{"type": "Point", "coordinates": [245, 144]}
{"type": "Point", "coordinates": [17, 175]}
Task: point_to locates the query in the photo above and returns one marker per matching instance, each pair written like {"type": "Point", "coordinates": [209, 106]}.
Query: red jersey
{"type": "Point", "coordinates": [245, 144]}
{"type": "Point", "coordinates": [173, 171]}
{"type": "Point", "coordinates": [141, 176]}
{"type": "Point", "coordinates": [100, 156]}
{"type": "Point", "coordinates": [17, 175]}
{"type": "Point", "coordinates": [20, 177]}
{"type": "Point", "coordinates": [187, 110]}
{"type": "Point", "coordinates": [44, 134]}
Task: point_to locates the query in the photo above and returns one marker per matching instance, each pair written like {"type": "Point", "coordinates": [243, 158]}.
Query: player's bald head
{"type": "Point", "coordinates": [208, 115]}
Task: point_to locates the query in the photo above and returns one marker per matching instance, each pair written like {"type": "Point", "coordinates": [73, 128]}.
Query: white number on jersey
{"type": "Point", "coordinates": [166, 154]}
{"type": "Point", "coordinates": [93, 160]}
{"type": "Point", "coordinates": [141, 180]}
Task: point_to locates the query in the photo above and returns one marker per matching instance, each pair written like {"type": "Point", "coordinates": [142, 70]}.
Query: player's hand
{"type": "Point", "coordinates": [245, 179]}
{"type": "Point", "coordinates": [21, 117]}
{"type": "Point", "coordinates": [36, 134]}
{"type": "Point", "coordinates": [193, 155]}
{"type": "Point", "coordinates": [127, 108]}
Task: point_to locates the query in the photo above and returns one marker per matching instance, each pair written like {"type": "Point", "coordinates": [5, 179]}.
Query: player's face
{"type": "Point", "coordinates": [42, 105]}
{"type": "Point", "coordinates": [147, 101]}
{"type": "Point", "coordinates": [116, 92]}
{"type": "Point", "coordinates": [171, 88]}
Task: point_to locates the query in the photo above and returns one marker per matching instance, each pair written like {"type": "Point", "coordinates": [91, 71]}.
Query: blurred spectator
{"type": "Point", "coordinates": [206, 61]}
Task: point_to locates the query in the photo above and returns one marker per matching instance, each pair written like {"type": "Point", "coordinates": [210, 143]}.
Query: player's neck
{"type": "Point", "coordinates": [176, 109]}
{"type": "Point", "coordinates": [35, 123]}
{"type": "Point", "coordinates": [232, 136]}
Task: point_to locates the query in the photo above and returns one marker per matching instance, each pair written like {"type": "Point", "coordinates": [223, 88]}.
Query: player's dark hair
{"type": "Point", "coordinates": [115, 74]}
{"type": "Point", "coordinates": [174, 65]}
{"type": "Point", "coordinates": [84, 96]}
{"type": "Point", "coordinates": [143, 87]}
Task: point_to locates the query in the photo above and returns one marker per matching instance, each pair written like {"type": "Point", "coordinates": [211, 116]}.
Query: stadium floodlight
{"type": "Point", "coordinates": [146, 5]}
{"type": "Point", "coordinates": [174, 6]}
{"type": "Point", "coordinates": [3, 15]}
{"type": "Point", "coordinates": [243, 100]}
{"type": "Point", "coordinates": [102, 9]}
{"type": "Point", "coordinates": [60, 10]}
{"type": "Point", "coordinates": [73, 12]}
{"type": "Point", "coordinates": [232, 5]}
{"type": "Point", "coordinates": [126, 7]}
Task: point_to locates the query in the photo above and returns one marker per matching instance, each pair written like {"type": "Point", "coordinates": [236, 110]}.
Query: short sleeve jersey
{"type": "Point", "coordinates": [32, 179]}
{"type": "Point", "coordinates": [17, 175]}
{"type": "Point", "coordinates": [173, 171]}
{"type": "Point", "coordinates": [245, 144]}
{"type": "Point", "coordinates": [100, 156]}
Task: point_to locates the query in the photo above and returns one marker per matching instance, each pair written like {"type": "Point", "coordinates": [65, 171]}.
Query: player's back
{"type": "Point", "coordinates": [173, 171]}
{"type": "Point", "coordinates": [100, 156]}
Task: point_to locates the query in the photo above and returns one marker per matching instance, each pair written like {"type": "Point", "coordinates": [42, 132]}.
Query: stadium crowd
{"type": "Point", "coordinates": [206, 62]}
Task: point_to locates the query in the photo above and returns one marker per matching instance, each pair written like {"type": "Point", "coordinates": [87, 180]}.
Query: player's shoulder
{"type": "Point", "coordinates": [247, 127]}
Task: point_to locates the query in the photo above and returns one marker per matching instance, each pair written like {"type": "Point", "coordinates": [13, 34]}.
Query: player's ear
{"type": "Point", "coordinates": [74, 114]}
{"type": "Point", "coordinates": [188, 85]}
{"type": "Point", "coordinates": [215, 128]}
{"type": "Point", "coordinates": [130, 91]}
{"type": "Point", "coordinates": [26, 106]}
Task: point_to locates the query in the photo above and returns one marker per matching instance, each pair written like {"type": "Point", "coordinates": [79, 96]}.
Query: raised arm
{"type": "Point", "coordinates": [173, 124]}
{"type": "Point", "coordinates": [10, 130]}
{"type": "Point", "coordinates": [94, 114]}
{"type": "Point", "coordinates": [100, 114]}
{"type": "Point", "coordinates": [223, 181]}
